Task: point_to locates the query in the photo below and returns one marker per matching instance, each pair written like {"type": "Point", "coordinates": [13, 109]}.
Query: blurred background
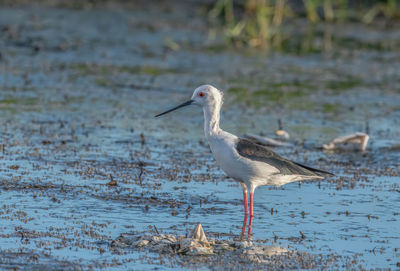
{"type": "Point", "coordinates": [84, 160]}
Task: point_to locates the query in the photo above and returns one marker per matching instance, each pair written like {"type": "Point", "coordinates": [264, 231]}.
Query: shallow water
{"type": "Point", "coordinates": [79, 89]}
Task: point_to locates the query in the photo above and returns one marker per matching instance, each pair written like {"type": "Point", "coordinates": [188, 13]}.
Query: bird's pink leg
{"type": "Point", "coordinates": [251, 213]}
{"type": "Point", "coordinates": [246, 212]}
{"type": "Point", "coordinates": [246, 209]}
{"type": "Point", "coordinates": [244, 226]}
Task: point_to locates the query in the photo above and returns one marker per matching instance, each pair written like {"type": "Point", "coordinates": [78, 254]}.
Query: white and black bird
{"type": "Point", "coordinates": [249, 163]}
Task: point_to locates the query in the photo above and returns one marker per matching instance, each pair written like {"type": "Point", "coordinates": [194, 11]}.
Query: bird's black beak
{"type": "Point", "coordinates": [177, 107]}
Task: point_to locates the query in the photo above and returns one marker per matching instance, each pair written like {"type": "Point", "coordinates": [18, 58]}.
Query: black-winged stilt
{"type": "Point", "coordinates": [250, 164]}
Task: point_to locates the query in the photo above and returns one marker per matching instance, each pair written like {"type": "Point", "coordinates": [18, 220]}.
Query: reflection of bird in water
{"type": "Point", "coordinates": [250, 164]}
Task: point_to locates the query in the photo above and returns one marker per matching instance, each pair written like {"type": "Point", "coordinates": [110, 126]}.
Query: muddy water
{"type": "Point", "coordinates": [83, 160]}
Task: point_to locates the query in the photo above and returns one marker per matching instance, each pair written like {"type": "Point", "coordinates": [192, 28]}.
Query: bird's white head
{"type": "Point", "coordinates": [207, 96]}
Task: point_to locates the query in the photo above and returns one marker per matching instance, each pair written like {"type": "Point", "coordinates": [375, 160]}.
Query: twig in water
{"type": "Point", "coordinates": [155, 228]}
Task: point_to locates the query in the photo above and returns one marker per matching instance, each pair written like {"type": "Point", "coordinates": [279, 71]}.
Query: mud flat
{"type": "Point", "coordinates": [82, 159]}
{"type": "Point", "coordinates": [220, 254]}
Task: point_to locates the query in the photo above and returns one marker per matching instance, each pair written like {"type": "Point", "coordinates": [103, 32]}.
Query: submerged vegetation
{"type": "Point", "coordinates": [263, 23]}
{"type": "Point", "coordinates": [259, 92]}
{"type": "Point", "coordinates": [88, 69]}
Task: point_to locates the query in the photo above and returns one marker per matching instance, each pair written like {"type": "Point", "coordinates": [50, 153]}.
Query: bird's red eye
{"type": "Point", "coordinates": [201, 94]}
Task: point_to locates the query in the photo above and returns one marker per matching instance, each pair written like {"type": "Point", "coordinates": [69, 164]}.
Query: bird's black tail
{"type": "Point", "coordinates": [318, 171]}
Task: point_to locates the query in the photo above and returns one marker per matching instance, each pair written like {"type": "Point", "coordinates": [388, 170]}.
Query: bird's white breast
{"type": "Point", "coordinates": [223, 147]}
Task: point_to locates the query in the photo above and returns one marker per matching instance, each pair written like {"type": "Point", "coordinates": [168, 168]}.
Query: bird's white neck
{"type": "Point", "coordinates": [211, 119]}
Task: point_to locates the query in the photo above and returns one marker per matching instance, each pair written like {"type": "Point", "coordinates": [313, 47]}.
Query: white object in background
{"type": "Point", "coordinates": [266, 140]}
{"type": "Point", "coordinates": [282, 134]}
{"type": "Point", "coordinates": [356, 142]}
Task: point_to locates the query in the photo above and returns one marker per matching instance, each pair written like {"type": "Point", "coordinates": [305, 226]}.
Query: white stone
{"type": "Point", "coordinates": [198, 234]}
{"type": "Point", "coordinates": [141, 243]}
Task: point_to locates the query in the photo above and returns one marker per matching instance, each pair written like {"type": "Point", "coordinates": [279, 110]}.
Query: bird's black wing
{"type": "Point", "coordinates": [253, 151]}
